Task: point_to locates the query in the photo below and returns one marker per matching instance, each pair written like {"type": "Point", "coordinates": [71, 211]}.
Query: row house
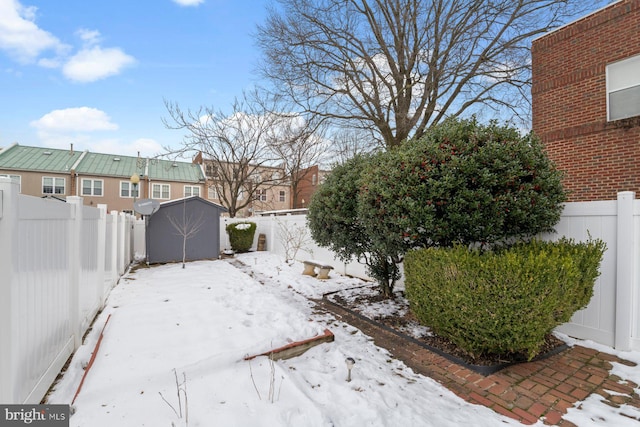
{"type": "Point", "coordinates": [117, 181]}
{"type": "Point", "coordinates": [99, 178]}
{"type": "Point", "coordinates": [586, 100]}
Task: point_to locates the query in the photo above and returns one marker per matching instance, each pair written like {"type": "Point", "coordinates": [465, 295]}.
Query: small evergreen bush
{"type": "Point", "coordinates": [501, 302]}
{"type": "Point", "coordinates": [241, 235]}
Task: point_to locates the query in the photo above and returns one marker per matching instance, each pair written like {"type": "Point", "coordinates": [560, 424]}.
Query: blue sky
{"type": "Point", "coordinates": [95, 73]}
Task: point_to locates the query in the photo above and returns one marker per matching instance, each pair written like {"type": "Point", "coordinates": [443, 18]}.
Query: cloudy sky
{"type": "Point", "coordinates": [95, 74]}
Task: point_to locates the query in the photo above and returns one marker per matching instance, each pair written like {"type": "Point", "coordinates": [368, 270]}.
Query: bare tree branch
{"type": "Point", "coordinates": [401, 66]}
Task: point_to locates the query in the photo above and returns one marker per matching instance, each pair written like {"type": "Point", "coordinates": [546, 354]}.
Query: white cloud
{"type": "Point", "coordinates": [89, 37]}
{"type": "Point", "coordinates": [83, 126]}
{"type": "Point", "coordinates": [188, 2]}
{"type": "Point", "coordinates": [95, 63]}
{"type": "Point", "coordinates": [83, 119]}
{"type": "Point", "coordinates": [20, 37]}
{"type": "Point", "coordinates": [147, 147]}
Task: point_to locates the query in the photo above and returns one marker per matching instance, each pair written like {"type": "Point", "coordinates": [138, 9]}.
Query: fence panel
{"type": "Point", "coordinates": [52, 260]}
{"type": "Point", "coordinates": [580, 221]}
{"type": "Point", "coordinates": [613, 315]}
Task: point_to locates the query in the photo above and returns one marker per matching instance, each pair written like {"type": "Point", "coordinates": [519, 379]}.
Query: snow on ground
{"type": "Point", "coordinates": [175, 345]}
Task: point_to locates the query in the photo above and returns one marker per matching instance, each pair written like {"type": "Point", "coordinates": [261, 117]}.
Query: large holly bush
{"type": "Point", "coordinates": [463, 182]}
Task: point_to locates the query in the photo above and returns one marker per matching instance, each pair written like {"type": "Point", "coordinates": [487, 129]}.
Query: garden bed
{"type": "Point", "coordinates": [394, 315]}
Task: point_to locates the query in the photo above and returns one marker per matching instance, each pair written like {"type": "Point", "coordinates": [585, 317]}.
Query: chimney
{"type": "Point", "coordinates": [71, 152]}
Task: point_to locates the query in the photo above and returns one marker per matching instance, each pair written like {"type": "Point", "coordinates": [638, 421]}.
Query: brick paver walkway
{"type": "Point", "coordinates": [527, 392]}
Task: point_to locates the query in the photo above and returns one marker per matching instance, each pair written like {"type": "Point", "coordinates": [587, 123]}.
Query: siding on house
{"type": "Point", "coordinates": [569, 96]}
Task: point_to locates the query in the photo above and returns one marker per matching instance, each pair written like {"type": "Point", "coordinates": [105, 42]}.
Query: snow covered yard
{"type": "Point", "coordinates": [203, 320]}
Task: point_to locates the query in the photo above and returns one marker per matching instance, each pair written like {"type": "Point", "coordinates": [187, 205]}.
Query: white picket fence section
{"type": "Point", "coordinates": [58, 263]}
{"type": "Point", "coordinates": [612, 317]}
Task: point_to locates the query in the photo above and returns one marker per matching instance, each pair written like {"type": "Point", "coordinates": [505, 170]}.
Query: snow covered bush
{"type": "Point", "coordinates": [241, 235]}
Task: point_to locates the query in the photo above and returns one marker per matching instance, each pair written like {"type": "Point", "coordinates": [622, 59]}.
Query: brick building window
{"type": "Point", "coordinates": [623, 89]}
{"type": "Point", "coordinates": [283, 196]}
{"type": "Point", "coordinates": [261, 195]}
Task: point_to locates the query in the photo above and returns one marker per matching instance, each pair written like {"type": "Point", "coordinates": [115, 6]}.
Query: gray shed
{"type": "Point", "coordinates": [193, 221]}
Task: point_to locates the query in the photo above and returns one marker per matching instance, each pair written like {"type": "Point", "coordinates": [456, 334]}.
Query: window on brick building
{"type": "Point", "coordinates": [623, 89]}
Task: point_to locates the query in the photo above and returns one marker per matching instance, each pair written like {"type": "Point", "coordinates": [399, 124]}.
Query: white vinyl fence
{"type": "Point", "coordinates": [58, 262]}
{"type": "Point", "coordinates": [612, 317]}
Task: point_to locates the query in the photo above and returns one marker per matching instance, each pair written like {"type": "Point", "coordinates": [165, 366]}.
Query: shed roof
{"type": "Point", "coordinates": [41, 159]}
{"type": "Point", "coordinates": [191, 199]}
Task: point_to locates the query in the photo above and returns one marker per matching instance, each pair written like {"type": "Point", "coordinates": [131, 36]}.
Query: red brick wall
{"type": "Point", "coordinates": [599, 158]}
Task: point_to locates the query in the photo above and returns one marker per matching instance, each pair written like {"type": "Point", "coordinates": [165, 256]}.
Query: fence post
{"type": "Point", "coordinates": [102, 242]}
{"type": "Point", "coordinates": [8, 298]}
{"type": "Point", "coordinates": [624, 271]}
{"type": "Point", "coordinates": [271, 245]}
{"type": "Point", "coordinates": [113, 268]}
{"type": "Point", "coordinates": [75, 227]}
{"type": "Point", "coordinates": [122, 222]}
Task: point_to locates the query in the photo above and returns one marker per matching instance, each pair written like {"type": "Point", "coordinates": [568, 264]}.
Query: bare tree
{"type": "Point", "coordinates": [235, 145]}
{"type": "Point", "coordinates": [298, 144]}
{"type": "Point", "coordinates": [348, 143]}
{"type": "Point", "coordinates": [187, 226]}
{"type": "Point", "coordinates": [401, 66]}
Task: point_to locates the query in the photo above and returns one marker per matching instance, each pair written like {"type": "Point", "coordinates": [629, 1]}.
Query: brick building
{"type": "Point", "coordinates": [586, 100]}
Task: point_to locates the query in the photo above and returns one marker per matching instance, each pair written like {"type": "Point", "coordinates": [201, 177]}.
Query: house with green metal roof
{"type": "Point", "coordinates": [99, 178]}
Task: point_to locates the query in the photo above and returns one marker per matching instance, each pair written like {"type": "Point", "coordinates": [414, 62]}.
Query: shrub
{"type": "Point", "coordinates": [505, 301]}
{"type": "Point", "coordinates": [241, 235]}
{"type": "Point", "coordinates": [462, 182]}
{"type": "Point", "coordinates": [334, 223]}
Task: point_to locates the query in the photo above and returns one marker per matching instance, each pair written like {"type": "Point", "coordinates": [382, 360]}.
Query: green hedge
{"type": "Point", "coordinates": [505, 301]}
{"type": "Point", "coordinates": [241, 235]}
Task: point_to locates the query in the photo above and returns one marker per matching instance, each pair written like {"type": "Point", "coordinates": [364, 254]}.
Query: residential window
{"type": "Point", "coordinates": [261, 195]}
{"type": "Point", "coordinates": [314, 179]}
{"type": "Point", "coordinates": [191, 190]}
{"type": "Point", "coordinates": [623, 89]}
{"type": "Point", "coordinates": [52, 185]}
{"type": "Point", "coordinates": [15, 178]}
{"type": "Point", "coordinates": [92, 187]}
{"type": "Point", "coordinates": [213, 192]}
{"type": "Point", "coordinates": [127, 189]}
{"type": "Point", "coordinates": [283, 196]}
{"type": "Point", "coordinates": [160, 191]}
{"type": "Point", "coordinates": [211, 171]}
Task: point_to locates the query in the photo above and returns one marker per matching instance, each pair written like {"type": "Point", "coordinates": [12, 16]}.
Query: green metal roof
{"type": "Point", "coordinates": [167, 170]}
{"type": "Point", "coordinates": [20, 157]}
{"type": "Point", "coordinates": [110, 165]}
